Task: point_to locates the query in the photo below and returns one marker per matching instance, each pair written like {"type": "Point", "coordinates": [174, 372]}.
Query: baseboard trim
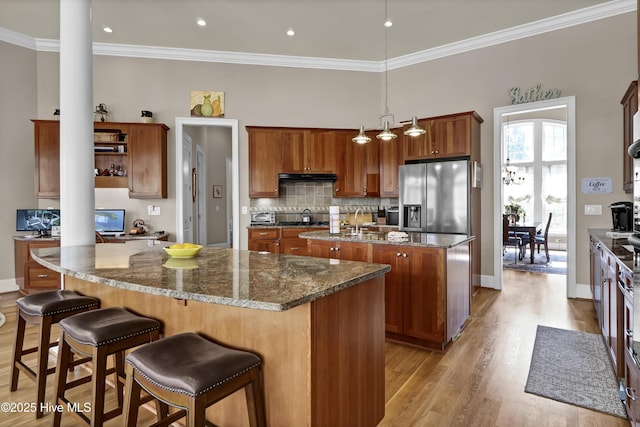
{"type": "Point", "coordinates": [8, 285]}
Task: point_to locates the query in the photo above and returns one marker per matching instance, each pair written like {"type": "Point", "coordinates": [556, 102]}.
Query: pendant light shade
{"type": "Point", "coordinates": [361, 138]}
{"type": "Point", "coordinates": [386, 134]}
{"type": "Point", "coordinates": [415, 130]}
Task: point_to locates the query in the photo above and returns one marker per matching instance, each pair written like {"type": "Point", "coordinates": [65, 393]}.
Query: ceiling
{"type": "Point", "coordinates": [336, 29]}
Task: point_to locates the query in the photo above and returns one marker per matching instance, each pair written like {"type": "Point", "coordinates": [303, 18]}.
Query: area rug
{"type": "Point", "coordinates": [3, 319]}
{"type": "Point", "coordinates": [556, 265]}
{"type": "Point", "coordinates": [574, 367]}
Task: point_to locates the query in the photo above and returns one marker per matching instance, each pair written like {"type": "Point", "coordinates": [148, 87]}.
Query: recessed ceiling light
{"type": "Point", "coordinates": [290, 32]}
{"type": "Point", "coordinates": [201, 22]}
{"type": "Point", "coordinates": [388, 23]}
{"type": "Point", "coordinates": [108, 30]}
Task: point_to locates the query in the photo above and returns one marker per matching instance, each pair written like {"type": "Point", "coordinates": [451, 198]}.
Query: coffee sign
{"type": "Point", "coordinates": [532, 95]}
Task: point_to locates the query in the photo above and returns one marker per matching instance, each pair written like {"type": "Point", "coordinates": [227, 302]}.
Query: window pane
{"type": "Point", "coordinates": [521, 194]}
{"type": "Point", "coordinates": [554, 141]}
{"type": "Point", "coordinates": [554, 196]}
{"type": "Point", "coordinates": [519, 142]}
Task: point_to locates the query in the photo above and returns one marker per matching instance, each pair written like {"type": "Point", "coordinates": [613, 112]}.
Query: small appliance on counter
{"type": "Point", "coordinates": [263, 218]}
{"type": "Point", "coordinates": [622, 216]}
{"type": "Point", "coordinates": [306, 216]}
{"type": "Point", "coordinates": [392, 215]}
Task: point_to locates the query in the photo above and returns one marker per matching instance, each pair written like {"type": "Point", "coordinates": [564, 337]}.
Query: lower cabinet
{"type": "Point", "coordinates": [427, 293]}
{"type": "Point", "coordinates": [632, 385]}
{"type": "Point", "coordinates": [264, 240]}
{"type": "Point", "coordinates": [279, 240]}
{"type": "Point", "coordinates": [349, 251]}
{"type": "Point", "coordinates": [32, 277]}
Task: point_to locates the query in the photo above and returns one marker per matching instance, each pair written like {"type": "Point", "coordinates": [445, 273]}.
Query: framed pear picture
{"type": "Point", "coordinates": [205, 103]}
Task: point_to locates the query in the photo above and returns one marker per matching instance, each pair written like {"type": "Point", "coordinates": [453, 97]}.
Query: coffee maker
{"type": "Point", "coordinates": [622, 216]}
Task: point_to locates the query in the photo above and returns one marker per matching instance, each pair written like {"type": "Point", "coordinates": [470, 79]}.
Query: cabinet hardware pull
{"type": "Point", "coordinates": [295, 249]}
{"type": "Point", "coordinates": [42, 276]}
{"type": "Point", "coordinates": [332, 249]}
{"type": "Point", "coordinates": [263, 233]}
{"type": "Point", "coordinates": [404, 255]}
{"type": "Point", "coordinates": [631, 393]}
{"type": "Point", "coordinates": [398, 254]}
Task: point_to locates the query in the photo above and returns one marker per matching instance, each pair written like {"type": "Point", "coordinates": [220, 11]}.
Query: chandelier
{"type": "Point", "coordinates": [510, 173]}
{"type": "Point", "coordinates": [387, 118]}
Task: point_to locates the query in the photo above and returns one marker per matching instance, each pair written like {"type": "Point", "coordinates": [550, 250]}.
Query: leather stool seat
{"type": "Point", "coordinates": [189, 371]}
{"type": "Point", "coordinates": [44, 309]}
{"type": "Point", "coordinates": [100, 333]}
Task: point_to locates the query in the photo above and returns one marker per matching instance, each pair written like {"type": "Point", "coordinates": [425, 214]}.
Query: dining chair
{"type": "Point", "coordinates": [511, 240]}
{"type": "Point", "coordinates": [541, 239]}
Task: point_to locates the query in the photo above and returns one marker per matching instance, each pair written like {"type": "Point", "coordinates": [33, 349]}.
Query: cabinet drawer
{"type": "Point", "coordinates": [41, 277]}
{"type": "Point", "coordinates": [267, 233]}
{"type": "Point", "coordinates": [294, 246]}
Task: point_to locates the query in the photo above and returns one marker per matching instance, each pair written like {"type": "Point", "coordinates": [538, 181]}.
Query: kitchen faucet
{"type": "Point", "coordinates": [356, 220]}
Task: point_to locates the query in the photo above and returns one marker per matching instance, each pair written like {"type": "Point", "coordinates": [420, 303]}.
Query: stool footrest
{"type": "Point", "coordinates": [170, 419]}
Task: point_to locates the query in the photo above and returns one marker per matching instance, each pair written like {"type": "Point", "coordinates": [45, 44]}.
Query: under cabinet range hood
{"type": "Point", "coordinates": [307, 177]}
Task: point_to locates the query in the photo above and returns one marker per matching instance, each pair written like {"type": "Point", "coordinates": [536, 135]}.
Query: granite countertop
{"type": "Point", "coordinates": [616, 245]}
{"type": "Point", "coordinates": [425, 240]}
{"type": "Point", "coordinates": [234, 277]}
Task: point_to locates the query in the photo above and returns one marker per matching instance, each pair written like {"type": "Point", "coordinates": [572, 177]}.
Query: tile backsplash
{"type": "Point", "coordinates": [317, 197]}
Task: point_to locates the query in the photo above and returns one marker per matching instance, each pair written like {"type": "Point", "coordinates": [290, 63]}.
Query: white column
{"type": "Point", "coordinates": [77, 199]}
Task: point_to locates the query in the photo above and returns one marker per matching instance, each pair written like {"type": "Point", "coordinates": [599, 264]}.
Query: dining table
{"type": "Point", "coordinates": [532, 228]}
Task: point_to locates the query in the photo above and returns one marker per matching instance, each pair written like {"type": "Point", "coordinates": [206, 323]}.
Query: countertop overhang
{"type": "Point", "coordinates": [233, 277]}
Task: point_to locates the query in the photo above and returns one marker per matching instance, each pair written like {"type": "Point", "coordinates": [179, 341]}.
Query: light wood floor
{"type": "Point", "coordinates": [479, 381]}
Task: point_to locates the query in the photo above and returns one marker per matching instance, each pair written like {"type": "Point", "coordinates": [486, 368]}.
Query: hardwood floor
{"type": "Point", "coordinates": [479, 381]}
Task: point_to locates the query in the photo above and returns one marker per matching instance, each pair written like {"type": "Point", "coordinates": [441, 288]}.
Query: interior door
{"type": "Point", "coordinates": [201, 192]}
{"type": "Point", "coordinates": [187, 188]}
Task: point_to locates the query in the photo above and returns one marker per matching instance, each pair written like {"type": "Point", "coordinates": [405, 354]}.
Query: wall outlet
{"type": "Point", "coordinates": [245, 210]}
{"type": "Point", "coordinates": [153, 210]}
{"type": "Point", "coordinates": [593, 209]}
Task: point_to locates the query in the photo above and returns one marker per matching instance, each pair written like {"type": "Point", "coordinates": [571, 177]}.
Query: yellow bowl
{"type": "Point", "coordinates": [183, 252]}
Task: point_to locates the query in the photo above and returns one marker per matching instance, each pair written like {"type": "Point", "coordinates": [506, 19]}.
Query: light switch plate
{"type": "Point", "coordinates": [593, 209]}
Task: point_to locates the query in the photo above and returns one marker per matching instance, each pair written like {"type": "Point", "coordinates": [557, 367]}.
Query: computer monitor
{"type": "Point", "coordinates": [110, 222]}
{"type": "Point", "coordinates": [37, 220]}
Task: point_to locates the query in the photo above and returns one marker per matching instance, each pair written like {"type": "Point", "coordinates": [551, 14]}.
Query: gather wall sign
{"type": "Point", "coordinates": [532, 94]}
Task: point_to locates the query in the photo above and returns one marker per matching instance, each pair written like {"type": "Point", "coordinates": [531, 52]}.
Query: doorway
{"type": "Point", "coordinates": [182, 211]}
{"type": "Point", "coordinates": [522, 113]}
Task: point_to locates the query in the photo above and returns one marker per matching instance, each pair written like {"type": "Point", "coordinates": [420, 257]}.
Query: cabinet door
{"type": "Point", "coordinates": [264, 158]}
{"type": "Point", "coordinates": [424, 308]}
{"type": "Point", "coordinates": [351, 159]}
{"type": "Point", "coordinates": [419, 147]}
{"type": "Point", "coordinates": [632, 385]}
{"type": "Point", "coordinates": [371, 167]}
{"type": "Point", "coordinates": [452, 136]}
{"type": "Point", "coordinates": [322, 248]}
{"type": "Point", "coordinates": [321, 151]}
{"type": "Point", "coordinates": [390, 160]}
{"type": "Point", "coordinates": [353, 251]}
{"type": "Point", "coordinates": [292, 150]}
{"type": "Point", "coordinates": [393, 287]}
{"type": "Point", "coordinates": [147, 161]}
{"type": "Point", "coordinates": [291, 244]}
{"type": "Point", "coordinates": [629, 107]}
{"type": "Point", "coordinates": [47, 158]}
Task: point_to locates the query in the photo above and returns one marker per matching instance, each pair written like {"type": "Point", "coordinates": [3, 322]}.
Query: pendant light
{"type": "Point", "coordinates": [415, 130]}
{"type": "Point", "coordinates": [362, 137]}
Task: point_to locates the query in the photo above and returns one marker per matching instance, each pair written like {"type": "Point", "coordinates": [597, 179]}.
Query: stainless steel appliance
{"type": "Point", "coordinates": [435, 197]}
{"type": "Point", "coordinates": [263, 218]}
{"type": "Point", "coordinates": [393, 215]}
{"type": "Point", "coordinates": [622, 216]}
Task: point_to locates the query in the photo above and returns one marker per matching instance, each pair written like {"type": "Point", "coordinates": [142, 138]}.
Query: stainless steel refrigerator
{"type": "Point", "coordinates": [435, 197]}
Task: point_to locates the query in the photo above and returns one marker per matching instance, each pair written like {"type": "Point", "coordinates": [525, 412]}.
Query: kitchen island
{"type": "Point", "coordinates": [428, 290]}
{"type": "Point", "coordinates": [317, 324]}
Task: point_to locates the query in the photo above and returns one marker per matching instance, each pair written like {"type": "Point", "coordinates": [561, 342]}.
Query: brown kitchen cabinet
{"type": "Point", "coordinates": [32, 277]}
{"type": "Point", "coordinates": [629, 108]}
{"type": "Point", "coordinates": [307, 151]}
{"type": "Point", "coordinates": [348, 251]}
{"type": "Point", "coordinates": [427, 293]}
{"type": "Point", "coordinates": [264, 162]}
{"type": "Point", "coordinates": [446, 136]}
{"type": "Point", "coordinates": [264, 240]}
{"type": "Point", "coordinates": [141, 151]}
{"type": "Point", "coordinates": [358, 166]}
{"type": "Point", "coordinates": [291, 244]}
{"type": "Point", "coordinates": [390, 160]}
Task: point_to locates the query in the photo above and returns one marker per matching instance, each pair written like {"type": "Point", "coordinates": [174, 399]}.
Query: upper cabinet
{"type": "Point", "coordinates": [629, 107]}
{"type": "Point", "coordinates": [446, 136]}
{"type": "Point", "coordinates": [358, 166]}
{"type": "Point", "coordinates": [264, 158]}
{"type": "Point", "coordinates": [390, 159]}
{"type": "Point", "coordinates": [127, 155]}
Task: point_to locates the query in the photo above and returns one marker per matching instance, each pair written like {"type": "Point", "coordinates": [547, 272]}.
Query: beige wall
{"type": "Point", "coordinates": [593, 62]}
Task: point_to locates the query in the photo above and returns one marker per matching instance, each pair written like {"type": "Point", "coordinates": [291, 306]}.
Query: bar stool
{"type": "Point", "coordinates": [43, 309]}
{"type": "Point", "coordinates": [99, 334]}
{"type": "Point", "coordinates": [192, 373]}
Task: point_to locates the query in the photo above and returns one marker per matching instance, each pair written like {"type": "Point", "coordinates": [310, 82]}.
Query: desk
{"type": "Point", "coordinates": [531, 228]}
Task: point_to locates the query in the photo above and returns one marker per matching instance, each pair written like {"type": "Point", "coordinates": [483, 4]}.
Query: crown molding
{"type": "Point", "coordinates": [578, 17]}
{"type": "Point", "coordinates": [582, 16]}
